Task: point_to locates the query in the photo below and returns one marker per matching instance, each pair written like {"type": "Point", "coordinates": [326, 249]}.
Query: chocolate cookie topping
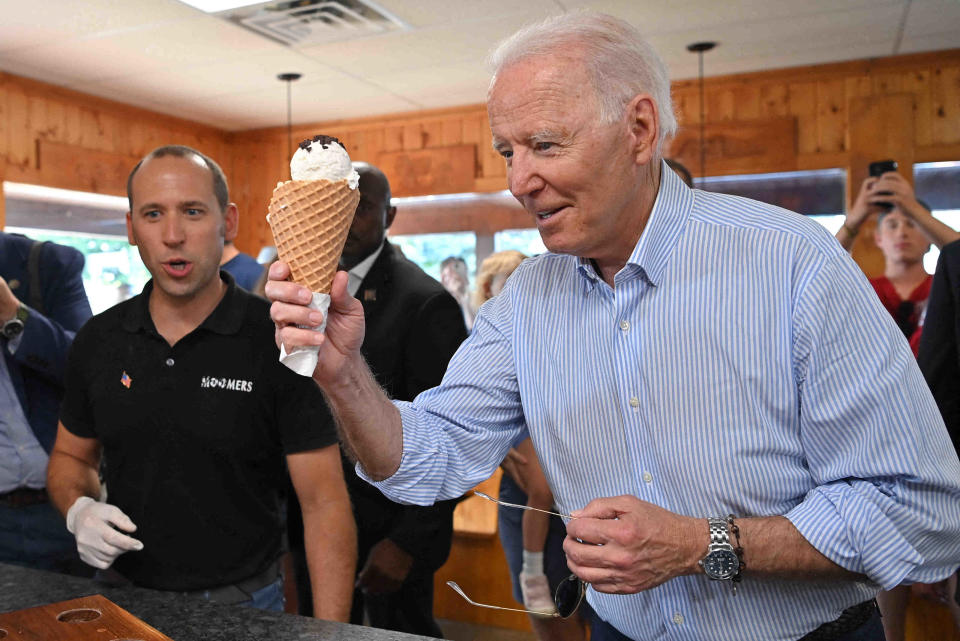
{"type": "Point", "coordinates": [323, 141]}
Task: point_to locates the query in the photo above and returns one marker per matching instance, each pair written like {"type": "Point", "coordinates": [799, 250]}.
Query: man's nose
{"type": "Point", "coordinates": [172, 230]}
{"type": "Point", "coordinates": [523, 176]}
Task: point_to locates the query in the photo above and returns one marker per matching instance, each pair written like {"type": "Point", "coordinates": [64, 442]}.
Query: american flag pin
{"type": "Point", "coordinates": [125, 380]}
{"type": "Point", "coordinates": [369, 294]}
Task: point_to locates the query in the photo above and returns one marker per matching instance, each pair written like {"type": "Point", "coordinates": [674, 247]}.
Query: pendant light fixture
{"type": "Point", "coordinates": [289, 78]}
{"type": "Point", "coordinates": [700, 48]}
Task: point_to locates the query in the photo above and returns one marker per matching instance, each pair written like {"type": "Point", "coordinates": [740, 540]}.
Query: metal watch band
{"type": "Point", "coordinates": [719, 535]}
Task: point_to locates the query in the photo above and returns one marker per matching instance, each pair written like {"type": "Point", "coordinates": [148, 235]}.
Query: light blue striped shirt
{"type": "Point", "coordinates": [742, 364]}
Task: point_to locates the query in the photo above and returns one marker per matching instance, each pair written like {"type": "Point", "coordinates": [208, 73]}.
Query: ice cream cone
{"type": "Point", "coordinates": [310, 220]}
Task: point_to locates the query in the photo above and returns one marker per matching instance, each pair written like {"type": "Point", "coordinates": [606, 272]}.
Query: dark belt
{"type": "Point", "coordinates": [240, 591]}
{"type": "Point", "coordinates": [848, 621]}
{"type": "Point", "coordinates": [24, 497]}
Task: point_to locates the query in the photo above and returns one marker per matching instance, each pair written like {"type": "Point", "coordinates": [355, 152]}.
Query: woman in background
{"type": "Point", "coordinates": [532, 541]}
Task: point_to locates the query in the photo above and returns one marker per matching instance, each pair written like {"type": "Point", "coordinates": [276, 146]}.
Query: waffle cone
{"type": "Point", "coordinates": [310, 220]}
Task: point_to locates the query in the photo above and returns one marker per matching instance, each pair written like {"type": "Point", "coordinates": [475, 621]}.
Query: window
{"type": "Point", "coordinates": [938, 185]}
{"type": "Point", "coordinates": [91, 223]}
{"type": "Point", "coordinates": [527, 241]}
{"type": "Point", "coordinates": [429, 250]}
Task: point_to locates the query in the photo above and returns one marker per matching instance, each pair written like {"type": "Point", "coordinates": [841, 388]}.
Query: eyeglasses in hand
{"type": "Point", "coordinates": [569, 594]}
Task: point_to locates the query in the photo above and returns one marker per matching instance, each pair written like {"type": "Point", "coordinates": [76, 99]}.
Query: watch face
{"type": "Point", "coordinates": [12, 328]}
{"type": "Point", "coordinates": [721, 564]}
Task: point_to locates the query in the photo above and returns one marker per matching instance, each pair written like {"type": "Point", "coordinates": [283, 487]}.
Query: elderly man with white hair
{"type": "Point", "coordinates": [737, 427]}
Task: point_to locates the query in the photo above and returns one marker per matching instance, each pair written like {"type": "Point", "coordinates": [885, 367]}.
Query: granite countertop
{"type": "Point", "coordinates": [180, 618]}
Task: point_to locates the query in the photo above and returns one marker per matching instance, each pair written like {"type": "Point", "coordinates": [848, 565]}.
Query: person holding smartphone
{"type": "Point", "coordinates": [905, 229]}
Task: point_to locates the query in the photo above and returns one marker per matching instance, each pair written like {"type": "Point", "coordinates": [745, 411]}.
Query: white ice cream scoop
{"type": "Point", "coordinates": [323, 158]}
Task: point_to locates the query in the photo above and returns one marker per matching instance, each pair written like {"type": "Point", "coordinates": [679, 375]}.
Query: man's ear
{"type": "Point", "coordinates": [391, 214]}
{"type": "Point", "coordinates": [643, 119]}
{"type": "Point", "coordinates": [231, 222]}
{"type": "Point", "coordinates": [130, 237]}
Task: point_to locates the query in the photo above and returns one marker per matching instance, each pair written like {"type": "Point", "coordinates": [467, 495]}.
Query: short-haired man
{"type": "Point", "coordinates": [181, 389]}
{"type": "Point", "coordinates": [678, 357]}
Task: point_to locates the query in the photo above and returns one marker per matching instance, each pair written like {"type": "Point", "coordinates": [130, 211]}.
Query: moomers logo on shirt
{"type": "Point", "coordinates": [233, 384]}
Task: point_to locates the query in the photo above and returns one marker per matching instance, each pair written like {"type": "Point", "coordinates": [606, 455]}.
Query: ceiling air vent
{"type": "Point", "coordinates": [302, 23]}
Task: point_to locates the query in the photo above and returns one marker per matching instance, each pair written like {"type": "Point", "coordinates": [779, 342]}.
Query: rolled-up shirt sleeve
{"type": "Point", "coordinates": [456, 434]}
{"type": "Point", "coordinates": [887, 497]}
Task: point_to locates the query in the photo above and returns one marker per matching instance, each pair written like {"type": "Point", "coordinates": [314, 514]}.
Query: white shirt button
{"type": "Point", "coordinates": [677, 618]}
{"type": "Point", "coordinates": [625, 325]}
{"type": "Point", "coordinates": [647, 477]}
{"type": "Point", "coordinates": [169, 362]}
{"type": "Point", "coordinates": [634, 402]}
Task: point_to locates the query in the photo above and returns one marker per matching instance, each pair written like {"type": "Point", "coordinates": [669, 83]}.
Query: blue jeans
{"type": "Point", "coordinates": [35, 536]}
{"type": "Point", "coordinates": [269, 597]}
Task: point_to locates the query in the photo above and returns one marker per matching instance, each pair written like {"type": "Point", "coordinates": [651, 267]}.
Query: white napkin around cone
{"type": "Point", "coordinates": [303, 359]}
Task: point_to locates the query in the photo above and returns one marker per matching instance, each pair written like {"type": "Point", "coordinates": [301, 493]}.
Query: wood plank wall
{"type": "Point", "coordinates": [838, 115]}
{"type": "Point", "coordinates": [60, 138]}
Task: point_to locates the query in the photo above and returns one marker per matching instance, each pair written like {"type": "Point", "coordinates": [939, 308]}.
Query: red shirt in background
{"type": "Point", "coordinates": [907, 313]}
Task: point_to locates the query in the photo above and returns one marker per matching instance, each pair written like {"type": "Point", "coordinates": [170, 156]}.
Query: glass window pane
{"type": "Point", "coordinates": [817, 192]}
{"type": "Point", "coordinates": [112, 272]}
{"type": "Point", "coordinates": [429, 250]}
{"type": "Point", "coordinates": [527, 241]}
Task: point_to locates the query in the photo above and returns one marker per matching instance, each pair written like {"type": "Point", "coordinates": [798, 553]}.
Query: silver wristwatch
{"type": "Point", "coordinates": [13, 327]}
{"type": "Point", "coordinates": [721, 562]}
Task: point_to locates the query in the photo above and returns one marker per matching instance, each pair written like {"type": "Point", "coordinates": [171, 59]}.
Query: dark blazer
{"type": "Point", "coordinates": [939, 354]}
{"type": "Point", "coordinates": [36, 369]}
{"type": "Point", "coordinates": [413, 328]}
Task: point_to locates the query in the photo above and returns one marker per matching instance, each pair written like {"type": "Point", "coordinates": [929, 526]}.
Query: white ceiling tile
{"type": "Point", "coordinates": [48, 21]}
{"type": "Point", "coordinates": [933, 17]}
{"type": "Point", "coordinates": [434, 12]}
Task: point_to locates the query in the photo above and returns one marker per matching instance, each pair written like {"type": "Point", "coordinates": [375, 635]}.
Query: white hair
{"type": "Point", "coordinates": [619, 62]}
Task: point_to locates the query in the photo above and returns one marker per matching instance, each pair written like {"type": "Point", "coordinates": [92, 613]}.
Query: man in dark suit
{"type": "Point", "coordinates": [939, 359]}
{"type": "Point", "coordinates": [41, 308]}
{"type": "Point", "coordinates": [939, 354]}
{"type": "Point", "coordinates": [413, 328]}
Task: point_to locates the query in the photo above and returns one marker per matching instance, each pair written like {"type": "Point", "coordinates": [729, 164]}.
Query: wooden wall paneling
{"type": "Point", "coordinates": [451, 132]}
{"type": "Point", "coordinates": [432, 133]}
{"type": "Point", "coordinates": [917, 83]}
{"type": "Point", "coordinates": [413, 136]}
{"type": "Point", "coordinates": [858, 87]}
{"type": "Point", "coordinates": [721, 105]}
{"type": "Point", "coordinates": [83, 169]}
{"type": "Point", "coordinates": [4, 122]}
{"type": "Point", "coordinates": [887, 82]}
{"type": "Point", "coordinates": [3, 199]}
{"type": "Point", "coordinates": [421, 172]}
{"type": "Point", "coordinates": [946, 104]}
{"type": "Point", "coordinates": [831, 116]}
{"type": "Point", "coordinates": [492, 164]}
{"type": "Point", "coordinates": [21, 151]}
{"type": "Point", "coordinates": [472, 128]}
{"type": "Point", "coordinates": [803, 105]}
{"type": "Point", "coordinates": [393, 138]}
{"type": "Point", "coordinates": [55, 125]}
{"type": "Point", "coordinates": [746, 102]}
{"type": "Point", "coordinates": [737, 147]}
{"type": "Point", "coordinates": [774, 100]}
{"type": "Point", "coordinates": [872, 137]}
{"type": "Point", "coordinates": [71, 124]}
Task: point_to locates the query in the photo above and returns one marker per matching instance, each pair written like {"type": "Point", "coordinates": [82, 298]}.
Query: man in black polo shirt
{"type": "Point", "coordinates": [181, 390]}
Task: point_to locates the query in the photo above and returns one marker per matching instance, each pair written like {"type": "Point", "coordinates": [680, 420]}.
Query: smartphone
{"type": "Point", "coordinates": [882, 166]}
{"type": "Point", "coordinates": [879, 168]}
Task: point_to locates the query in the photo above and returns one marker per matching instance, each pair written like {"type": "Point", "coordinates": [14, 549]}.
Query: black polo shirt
{"type": "Point", "coordinates": [193, 436]}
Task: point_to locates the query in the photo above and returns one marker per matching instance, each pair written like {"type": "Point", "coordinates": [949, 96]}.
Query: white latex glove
{"type": "Point", "coordinates": [96, 527]}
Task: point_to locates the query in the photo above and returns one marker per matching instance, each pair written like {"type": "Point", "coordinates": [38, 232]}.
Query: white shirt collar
{"type": "Point", "coordinates": [361, 269]}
